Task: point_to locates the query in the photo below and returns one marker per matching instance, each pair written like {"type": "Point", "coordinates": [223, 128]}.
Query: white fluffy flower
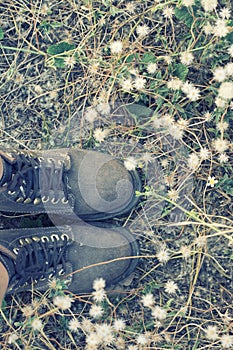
{"type": "Point", "coordinates": [168, 11]}
{"type": "Point", "coordinates": [104, 108]}
{"type": "Point", "coordinates": [193, 161]}
{"type": "Point", "coordinates": [188, 2]}
{"type": "Point", "coordinates": [220, 145]}
{"type": "Point", "coordinates": [219, 74]}
{"type": "Point", "coordinates": [141, 340]}
{"type": "Point", "coordinates": [159, 313]}
{"type": "Point", "coordinates": [119, 324]}
{"type": "Point", "coordinates": [70, 61]}
{"type": "Point", "coordinates": [174, 84]}
{"type": "Point", "coordinates": [12, 338]}
{"type": "Point", "coordinates": [99, 295]}
{"type": "Point", "coordinates": [142, 30]}
{"type": "Point", "coordinates": [222, 126]}
{"type": "Point", "coordinates": [225, 13]}
{"type": "Point", "coordinates": [152, 67]}
{"type": "Point", "coordinates": [229, 69]}
{"type": "Point", "coordinates": [148, 300]}
{"type": "Point", "coordinates": [130, 163]}
{"type": "Point", "coordinates": [185, 251]}
{"type": "Point", "coordinates": [186, 58]}
{"type": "Point", "coordinates": [166, 120]}
{"type": "Point", "coordinates": [187, 87]}
{"type": "Point", "coordinates": [92, 341]}
{"type": "Point", "coordinates": [171, 287]}
{"type": "Point", "coordinates": [99, 283]}
{"type": "Point", "coordinates": [227, 341]}
{"type": "Point", "coordinates": [209, 5]}
{"type": "Point", "coordinates": [226, 90]}
{"type": "Point", "coordinates": [208, 29]}
{"type": "Point", "coordinates": [37, 324]}
{"type": "Point", "coordinates": [100, 134]}
{"type": "Point", "coordinates": [127, 84]}
{"type": "Point", "coordinates": [193, 94]}
{"type": "Point", "coordinates": [220, 28]}
{"type": "Point", "coordinates": [167, 59]}
{"type": "Point", "coordinates": [139, 83]}
{"type": "Point", "coordinates": [173, 195]}
{"type": "Point", "coordinates": [176, 131]}
{"type": "Point", "coordinates": [116, 47]}
{"type": "Point", "coordinates": [204, 153]}
{"type": "Point", "coordinates": [63, 302]}
{"type": "Point", "coordinates": [223, 158]}
{"type": "Point", "coordinates": [220, 102]}
{"type": "Point", "coordinates": [96, 311]}
{"type": "Point", "coordinates": [90, 115]}
{"type": "Point", "coordinates": [163, 255]}
{"type": "Point", "coordinates": [105, 333]}
{"type": "Point", "coordinates": [211, 332]}
{"type": "Point", "coordinates": [74, 325]}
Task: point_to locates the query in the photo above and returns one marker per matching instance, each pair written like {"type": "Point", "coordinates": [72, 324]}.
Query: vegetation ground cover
{"type": "Point", "coordinates": [149, 82]}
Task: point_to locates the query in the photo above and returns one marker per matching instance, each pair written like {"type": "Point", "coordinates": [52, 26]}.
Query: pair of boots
{"type": "Point", "coordinates": [72, 186]}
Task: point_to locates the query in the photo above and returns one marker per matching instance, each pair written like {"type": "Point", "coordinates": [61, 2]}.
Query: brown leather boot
{"type": "Point", "coordinates": [77, 254]}
{"type": "Point", "coordinates": [89, 184]}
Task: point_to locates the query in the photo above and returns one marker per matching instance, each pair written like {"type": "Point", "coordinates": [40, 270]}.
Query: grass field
{"type": "Point", "coordinates": [150, 82]}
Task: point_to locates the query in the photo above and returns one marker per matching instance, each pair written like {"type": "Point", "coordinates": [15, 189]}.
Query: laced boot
{"type": "Point", "coordinates": [89, 184]}
{"type": "Point", "coordinates": [77, 254]}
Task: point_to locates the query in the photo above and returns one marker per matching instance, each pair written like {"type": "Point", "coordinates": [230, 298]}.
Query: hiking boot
{"type": "Point", "coordinates": [77, 254]}
{"type": "Point", "coordinates": [88, 184]}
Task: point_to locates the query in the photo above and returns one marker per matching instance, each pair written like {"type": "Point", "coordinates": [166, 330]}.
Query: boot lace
{"type": "Point", "coordinates": [39, 261]}
{"type": "Point", "coordinates": [34, 179]}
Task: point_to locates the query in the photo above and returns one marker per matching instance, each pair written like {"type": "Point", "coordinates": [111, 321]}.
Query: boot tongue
{"type": "Point", "coordinates": [7, 172]}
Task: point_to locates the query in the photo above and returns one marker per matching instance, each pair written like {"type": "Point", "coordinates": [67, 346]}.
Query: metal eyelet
{"type": "Point", "coordinates": [65, 236]}
{"type": "Point", "coordinates": [51, 275]}
{"type": "Point", "coordinates": [61, 272]}
{"type": "Point", "coordinates": [27, 200]}
{"type": "Point", "coordinates": [19, 200]}
{"type": "Point", "coordinates": [44, 239]}
{"type": "Point", "coordinates": [45, 199]}
{"type": "Point", "coordinates": [36, 201]}
{"type": "Point", "coordinates": [60, 162]}
{"type": "Point", "coordinates": [11, 193]}
{"type": "Point", "coordinates": [51, 160]}
{"type": "Point", "coordinates": [41, 159]}
{"type": "Point", "coordinates": [54, 236]}
{"type": "Point", "coordinates": [53, 201]}
{"type": "Point", "coordinates": [42, 278]}
{"type": "Point", "coordinates": [21, 242]}
{"type": "Point", "coordinates": [64, 200]}
{"type": "Point", "coordinates": [16, 250]}
{"type": "Point", "coordinates": [36, 239]}
{"type": "Point", "coordinates": [28, 240]}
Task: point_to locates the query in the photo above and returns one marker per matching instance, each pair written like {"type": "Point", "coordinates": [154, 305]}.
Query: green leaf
{"type": "Point", "coordinates": [183, 15]}
{"type": "Point", "coordinates": [1, 34]}
{"type": "Point", "coordinates": [148, 57]}
{"type": "Point", "coordinates": [181, 71]}
{"type": "Point", "coordinates": [229, 37]}
{"type": "Point", "coordinates": [131, 58]}
{"type": "Point", "coordinates": [60, 48]}
{"type": "Point", "coordinates": [139, 111]}
{"type": "Point", "coordinates": [59, 62]}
